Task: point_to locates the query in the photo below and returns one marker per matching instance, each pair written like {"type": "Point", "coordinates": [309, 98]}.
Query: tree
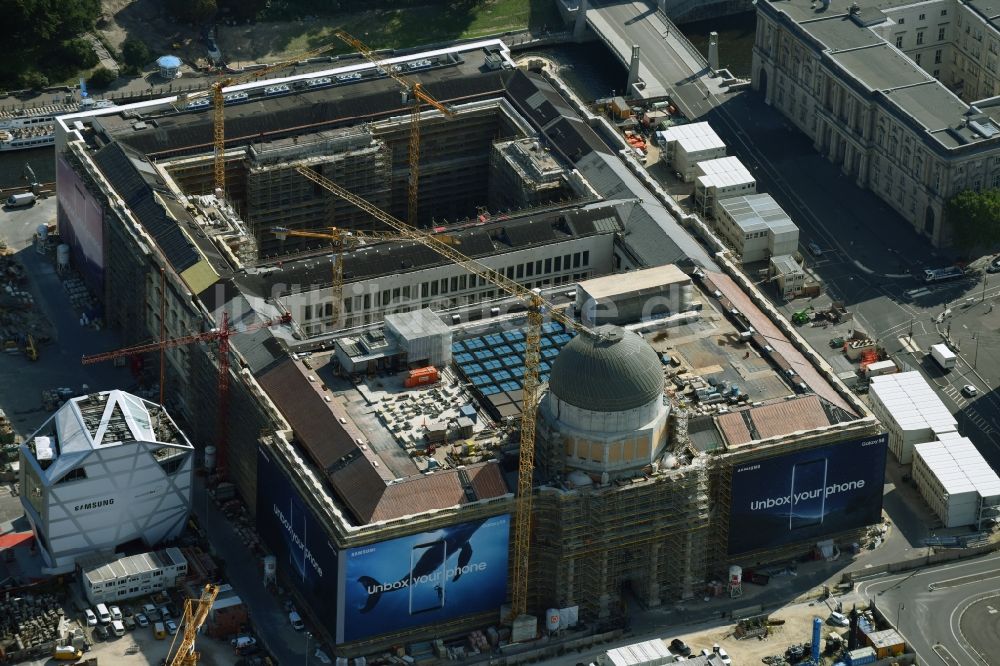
{"type": "Point", "coordinates": [77, 54]}
{"type": "Point", "coordinates": [192, 11]}
{"type": "Point", "coordinates": [33, 79]}
{"type": "Point", "coordinates": [102, 77]}
{"type": "Point", "coordinates": [975, 219]}
{"type": "Point", "coordinates": [135, 53]}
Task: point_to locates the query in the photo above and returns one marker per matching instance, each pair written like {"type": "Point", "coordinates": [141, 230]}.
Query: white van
{"type": "Point", "coordinates": [118, 628]}
{"type": "Point", "coordinates": [20, 200]}
{"type": "Point", "coordinates": [102, 614]}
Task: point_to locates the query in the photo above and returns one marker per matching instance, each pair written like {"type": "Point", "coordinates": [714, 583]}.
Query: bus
{"type": "Point", "coordinates": [942, 274]}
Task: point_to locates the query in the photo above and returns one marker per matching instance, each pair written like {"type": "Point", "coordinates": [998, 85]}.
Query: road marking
{"type": "Point", "coordinates": [917, 293]}
{"type": "Point", "coordinates": [945, 655]}
{"type": "Point", "coordinates": [964, 580]}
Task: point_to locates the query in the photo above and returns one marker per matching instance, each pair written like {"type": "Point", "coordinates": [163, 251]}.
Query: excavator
{"type": "Point", "coordinates": [195, 614]}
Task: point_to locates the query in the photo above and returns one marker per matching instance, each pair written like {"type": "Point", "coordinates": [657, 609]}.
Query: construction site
{"type": "Point", "coordinates": [396, 374]}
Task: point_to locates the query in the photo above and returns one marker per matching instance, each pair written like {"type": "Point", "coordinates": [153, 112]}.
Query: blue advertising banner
{"type": "Point", "coordinates": [807, 495]}
{"type": "Point", "coordinates": [306, 558]}
{"type": "Point", "coordinates": [425, 578]}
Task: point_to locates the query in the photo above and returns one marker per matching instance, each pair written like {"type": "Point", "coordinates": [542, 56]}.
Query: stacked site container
{"type": "Point", "coordinates": [910, 410]}
{"type": "Point", "coordinates": [956, 480]}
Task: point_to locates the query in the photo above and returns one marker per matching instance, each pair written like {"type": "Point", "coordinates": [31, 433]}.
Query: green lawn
{"type": "Point", "coordinates": [413, 26]}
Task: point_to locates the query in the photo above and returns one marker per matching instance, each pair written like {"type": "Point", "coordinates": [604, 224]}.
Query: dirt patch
{"type": "Point", "coordinates": [797, 628]}
{"type": "Point", "coordinates": [149, 22]}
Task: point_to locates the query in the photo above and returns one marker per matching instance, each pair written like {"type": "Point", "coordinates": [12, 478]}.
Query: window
{"type": "Point", "coordinates": [406, 292]}
{"type": "Point", "coordinates": [576, 260]}
{"type": "Point", "coordinates": [937, 73]}
{"type": "Point", "coordinates": [548, 265]}
{"type": "Point", "coordinates": [920, 37]}
{"type": "Point", "coordinates": [902, 21]}
{"type": "Point", "coordinates": [74, 475]}
{"type": "Point", "coordinates": [424, 293]}
{"type": "Point", "coordinates": [531, 268]}
{"type": "Point", "coordinates": [308, 312]}
{"type": "Point", "coordinates": [937, 57]}
{"type": "Point", "coordinates": [923, 17]}
{"type": "Point", "coordinates": [385, 298]}
{"type": "Point", "coordinates": [434, 288]}
{"type": "Point", "coordinates": [461, 282]}
{"type": "Point", "coordinates": [941, 34]}
{"type": "Point", "coordinates": [996, 181]}
{"type": "Point", "coordinates": [454, 283]}
{"type": "Point", "coordinates": [917, 59]}
{"type": "Point", "coordinates": [558, 264]}
{"type": "Point", "coordinates": [944, 12]}
{"type": "Point", "coordinates": [586, 257]}
{"type": "Point", "coordinates": [520, 271]}
{"type": "Point", "coordinates": [538, 267]}
{"type": "Point", "coordinates": [899, 41]}
{"type": "Point", "coordinates": [367, 301]}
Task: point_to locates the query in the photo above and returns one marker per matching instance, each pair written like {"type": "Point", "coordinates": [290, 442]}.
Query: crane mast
{"type": "Point", "coordinates": [220, 336]}
{"type": "Point", "coordinates": [194, 618]}
{"type": "Point", "coordinates": [420, 96]}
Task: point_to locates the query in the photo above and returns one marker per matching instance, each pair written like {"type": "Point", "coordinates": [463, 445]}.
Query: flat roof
{"type": "Point", "coordinates": [693, 137]}
{"type": "Point", "coordinates": [755, 212]}
{"type": "Point", "coordinates": [723, 172]}
{"type": "Point", "coordinates": [631, 282]}
{"type": "Point", "coordinates": [959, 467]}
{"type": "Point", "coordinates": [849, 43]}
{"type": "Point", "coordinates": [911, 402]}
{"type": "Point", "coordinates": [881, 67]}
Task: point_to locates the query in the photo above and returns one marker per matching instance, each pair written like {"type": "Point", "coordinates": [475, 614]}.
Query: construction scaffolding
{"type": "Point", "coordinates": [642, 540]}
{"type": "Point", "coordinates": [524, 174]}
{"type": "Point", "coordinates": [277, 195]}
{"type": "Point", "coordinates": [454, 159]}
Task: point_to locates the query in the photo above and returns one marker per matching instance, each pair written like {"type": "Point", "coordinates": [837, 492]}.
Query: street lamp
{"type": "Point", "coordinates": [308, 636]}
{"type": "Point", "coordinates": [899, 608]}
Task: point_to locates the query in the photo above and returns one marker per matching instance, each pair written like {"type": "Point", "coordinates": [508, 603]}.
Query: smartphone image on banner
{"type": "Point", "coordinates": [427, 576]}
{"type": "Point", "coordinates": [808, 480]}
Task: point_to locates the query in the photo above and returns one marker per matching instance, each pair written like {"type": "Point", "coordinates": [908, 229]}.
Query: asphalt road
{"type": "Point", "coordinates": [871, 261]}
{"type": "Point", "coordinates": [945, 613]}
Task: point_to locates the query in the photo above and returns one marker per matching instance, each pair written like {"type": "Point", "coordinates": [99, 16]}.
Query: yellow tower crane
{"type": "Point", "coordinates": [532, 358]}
{"type": "Point", "coordinates": [341, 240]}
{"type": "Point", "coordinates": [419, 97]}
{"type": "Point", "coordinates": [219, 105]}
{"type": "Point", "coordinates": [194, 618]}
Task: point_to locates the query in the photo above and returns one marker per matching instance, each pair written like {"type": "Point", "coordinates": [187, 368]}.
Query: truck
{"type": "Point", "coordinates": [22, 200]}
{"type": "Point", "coordinates": [943, 356]}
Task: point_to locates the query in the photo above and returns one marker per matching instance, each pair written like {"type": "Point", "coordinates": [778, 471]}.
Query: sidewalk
{"type": "Point", "coordinates": [243, 571]}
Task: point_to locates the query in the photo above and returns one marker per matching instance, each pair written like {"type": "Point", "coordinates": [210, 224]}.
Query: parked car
{"type": "Point", "coordinates": [838, 620]}
{"type": "Point", "coordinates": [142, 620]}
{"type": "Point", "coordinates": [815, 249]}
{"type": "Point", "coordinates": [165, 612]}
{"type": "Point", "coordinates": [970, 391]}
{"type": "Point", "coordinates": [680, 647]}
{"type": "Point", "coordinates": [171, 627]}
{"type": "Point", "coordinates": [152, 613]}
{"type": "Point", "coordinates": [296, 621]}
{"type": "Point", "coordinates": [101, 632]}
{"type": "Point", "coordinates": [91, 618]}
{"type": "Point", "coordinates": [994, 265]}
{"type": "Point", "coordinates": [116, 613]}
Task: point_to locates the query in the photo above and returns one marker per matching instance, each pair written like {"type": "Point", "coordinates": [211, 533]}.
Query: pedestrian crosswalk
{"type": "Point", "coordinates": [970, 413]}
{"type": "Point", "coordinates": [955, 394]}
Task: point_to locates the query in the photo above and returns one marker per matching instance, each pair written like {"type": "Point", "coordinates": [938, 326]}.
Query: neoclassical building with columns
{"type": "Point", "coordinates": [903, 95]}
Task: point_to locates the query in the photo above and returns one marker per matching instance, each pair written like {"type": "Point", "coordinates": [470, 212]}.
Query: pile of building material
{"type": "Point", "coordinates": [81, 299]}
{"type": "Point", "coordinates": [29, 626]}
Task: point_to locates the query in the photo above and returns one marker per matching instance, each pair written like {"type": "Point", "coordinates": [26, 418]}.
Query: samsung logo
{"type": "Point", "coordinates": [871, 442]}
{"type": "Point", "coordinates": [748, 468]}
{"type": "Point", "coordinates": [93, 505]}
{"type": "Point", "coordinates": [363, 551]}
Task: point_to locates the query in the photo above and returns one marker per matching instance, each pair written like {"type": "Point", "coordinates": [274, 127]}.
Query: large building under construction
{"type": "Point", "coordinates": [692, 432]}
